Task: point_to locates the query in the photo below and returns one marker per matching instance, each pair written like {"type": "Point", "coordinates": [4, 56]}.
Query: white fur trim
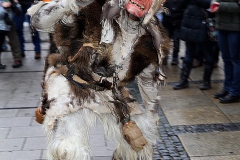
{"type": "Point", "coordinates": [108, 33]}
{"type": "Point", "coordinates": [67, 124]}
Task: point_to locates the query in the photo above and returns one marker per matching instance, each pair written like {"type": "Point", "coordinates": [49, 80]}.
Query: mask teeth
{"type": "Point", "coordinates": [138, 5]}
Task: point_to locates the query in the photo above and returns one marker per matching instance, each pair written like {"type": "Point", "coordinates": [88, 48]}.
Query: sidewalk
{"type": "Point", "coordinates": [193, 125]}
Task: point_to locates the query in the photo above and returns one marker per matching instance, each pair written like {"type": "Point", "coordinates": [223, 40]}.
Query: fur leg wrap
{"type": "Point", "coordinates": [68, 136]}
{"type": "Point", "coordinates": [133, 135]}
{"type": "Point", "coordinates": [124, 151]}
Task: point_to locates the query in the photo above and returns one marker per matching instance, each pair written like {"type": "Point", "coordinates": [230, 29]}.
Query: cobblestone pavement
{"type": "Point", "coordinates": [193, 125]}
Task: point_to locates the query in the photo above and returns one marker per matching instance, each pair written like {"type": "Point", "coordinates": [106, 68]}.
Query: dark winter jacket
{"type": "Point", "coordinates": [176, 9]}
{"type": "Point", "coordinates": [6, 16]}
{"type": "Point", "coordinates": [193, 25]}
{"type": "Point", "coordinates": [25, 2]}
{"type": "Point", "coordinates": [228, 15]}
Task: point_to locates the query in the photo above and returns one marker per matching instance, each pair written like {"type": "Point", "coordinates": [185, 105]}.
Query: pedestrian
{"type": "Point", "coordinates": [172, 21]}
{"type": "Point", "coordinates": [194, 33]}
{"type": "Point", "coordinates": [7, 10]}
{"type": "Point", "coordinates": [199, 56]}
{"type": "Point", "coordinates": [228, 25]}
{"type": "Point", "coordinates": [15, 47]}
{"type": "Point", "coordinates": [19, 20]}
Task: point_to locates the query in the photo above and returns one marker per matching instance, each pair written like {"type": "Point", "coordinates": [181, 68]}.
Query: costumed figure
{"type": "Point", "coordinates": [100, 53]}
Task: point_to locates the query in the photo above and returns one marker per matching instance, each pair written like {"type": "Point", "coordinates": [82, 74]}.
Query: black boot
{"type": "Point", "coordinates": [184, 77]}
{"type": "Point", "coordinates": [205, 85]}
{"type": "Point", "coordinates": [220, 94]}
{"type": "Point", "coordinates": [207, 77]}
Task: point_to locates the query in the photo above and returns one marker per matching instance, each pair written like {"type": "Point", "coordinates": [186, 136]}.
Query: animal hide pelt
{"type": "Point", "coordinates": [89, 77]}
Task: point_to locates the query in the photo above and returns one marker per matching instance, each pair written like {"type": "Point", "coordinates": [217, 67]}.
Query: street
{"type": "Point", "coordinates": [193, 125]}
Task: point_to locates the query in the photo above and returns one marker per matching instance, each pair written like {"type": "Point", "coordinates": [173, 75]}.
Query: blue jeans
{"type": "Point", "coordinates": [229, 44]}
{"type": "Point", "coordinates": [19, 20]}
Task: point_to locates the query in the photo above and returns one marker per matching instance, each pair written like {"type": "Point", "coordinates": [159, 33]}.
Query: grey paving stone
{"type": "Point", "coordinates": [20, 155]}
{"type": "Point", "coordinates": [3, 132]}
{"type": "Point", "coordinates": [231, 157]}
{"type": "Point", "coordinates": [11, 144]}
{"type": "Point", "coordinates": [15, 121]}
{"type": "Point", "coordinates": [211, 144]}
{"type": "Point", "coordinates": [97, 141]}
{"type": "Point", "coordinates": [98, 129]}
{"type": "Point", "coordinates": [102, 151]}
{"type": "Point", "coordinates": [3, 104]}
{"type": "Point", "coordinates": [35, 123]}
{"type": "Point", "coordinates": [26, 112]}
{"type": "Point", "coordinates": [110, 143]}
{"type": "Point", "coordinates": [8, 113]}
{"type": "Point", "coordinates": [34, 95]}
{"type": "Point", "coordinates": [30, 131]}
{"type": "Point", "coordinates": [190, 101]}
{"type": "Point", "coordinates": [35, 143]}
{"type": "Point", "coordinates": [29, 63]}
{"type": "Point", "coordinates": [22, 103]}
{"type": "Point", "coordinates": [101, 158]}
{"type": "Point", "coordinates": [44, 154]}
{"type": "Point", "coordinates": [196, 115]}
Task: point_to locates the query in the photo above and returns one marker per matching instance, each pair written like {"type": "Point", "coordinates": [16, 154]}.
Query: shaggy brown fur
{"type": "Point", "coordinates": [87, 29]}
{"type": "Point", "coordinates": [144, 54]}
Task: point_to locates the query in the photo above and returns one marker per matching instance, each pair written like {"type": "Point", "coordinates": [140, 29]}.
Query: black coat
{"type": "Point", "coordinates": [25, 2]}
{"type": "Point", "coordinates": [193, 25]}
{"type": "Point", "coordinates": [174, 17]}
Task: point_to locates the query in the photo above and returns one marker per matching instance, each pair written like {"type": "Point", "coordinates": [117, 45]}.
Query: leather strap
{"type": "Point", "coordinates": [69, 73]}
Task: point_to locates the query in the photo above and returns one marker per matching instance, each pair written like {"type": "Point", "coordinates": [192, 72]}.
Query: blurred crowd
{"type": "Point", "coordinates": [208, 28]}
{"type": "Point", "coordinates": [12, 18]}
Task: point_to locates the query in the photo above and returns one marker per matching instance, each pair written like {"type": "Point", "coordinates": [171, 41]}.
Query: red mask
{"type": "Point", "coordinates": [138, 8]}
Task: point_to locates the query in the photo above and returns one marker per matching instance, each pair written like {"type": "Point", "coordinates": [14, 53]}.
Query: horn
{"type": "Point", "coordinates": [156, 5]}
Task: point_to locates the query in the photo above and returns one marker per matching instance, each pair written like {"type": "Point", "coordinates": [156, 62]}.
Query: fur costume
{"type": "Point", "coordinates": [87, 80]}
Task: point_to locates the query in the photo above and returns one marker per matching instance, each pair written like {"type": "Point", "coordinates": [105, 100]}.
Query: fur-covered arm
{"type": "Point", "coordinates": [110, 10]}
{"type": "Point", "coordinates": [161, 43]}
{"type": "Point", "coordinates": [153, 29]}
{"type": "Point", "coordinates": [45, 15]}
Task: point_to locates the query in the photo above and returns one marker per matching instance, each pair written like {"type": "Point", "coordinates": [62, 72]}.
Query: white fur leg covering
{"type": "Point", "coordinates": [124, 151]}
{"type": "Point", "coordinates": [69, 138]}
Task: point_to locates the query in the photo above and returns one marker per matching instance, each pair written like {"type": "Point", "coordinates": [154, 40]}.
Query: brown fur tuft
{"type": "Point", "coordinates": [52, 59]}
{"type": "Point", "coordinates": [144, 54]}
{"type": "Point", "coordinates": [166, 41]}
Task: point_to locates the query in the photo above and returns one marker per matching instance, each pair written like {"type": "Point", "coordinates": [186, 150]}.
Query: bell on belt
{"type": "Point", "coordinates": [39, 115]}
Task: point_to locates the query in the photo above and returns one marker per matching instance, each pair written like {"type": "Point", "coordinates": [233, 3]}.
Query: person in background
{"type": "Point", "coordinates": [172, 22]}
{"type": "Point", "coordinates": [15, 47]}
{"type": "Point", "coordinates": [228, 25]}
{"type": "Point", "coordinates": [194, 33]}
{"type": "Point", "coordinates": [19, 20]}
{"type": "Point", "coordinates": [199, 57]}
{"type": "Point", "coordinates": [4, 46]}
{"type": "Point", "coordinates": [7, 29]}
